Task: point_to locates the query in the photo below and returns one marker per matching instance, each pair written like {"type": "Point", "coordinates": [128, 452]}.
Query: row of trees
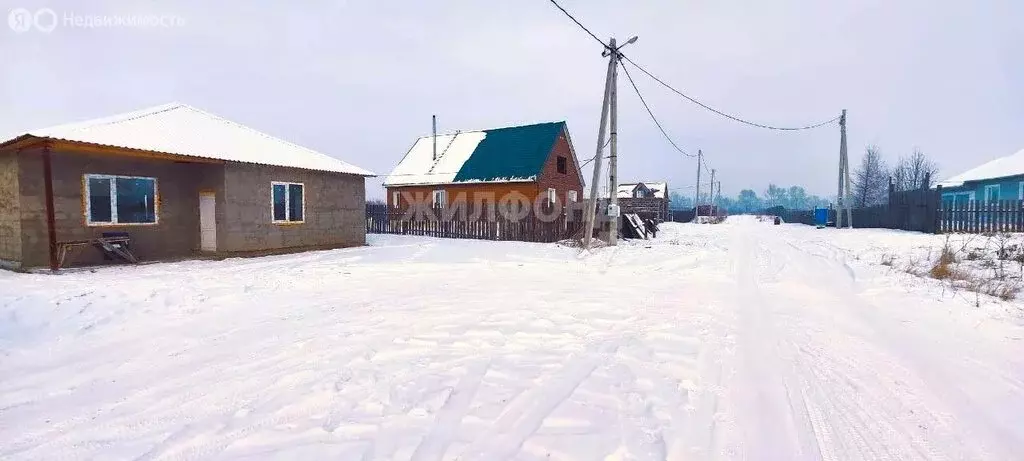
{"type": "Point", "coordinates": [748, 201]}
{"type": "Point", "coordinates": [872, 176]}
{"type": "Point", "coordinates": [870, 186]}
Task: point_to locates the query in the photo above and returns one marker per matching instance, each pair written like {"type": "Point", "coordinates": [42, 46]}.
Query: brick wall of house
{"type": "Point", "coordinates": [654, 208]}
{"type": "Point", "coordinates": [10, 210]}
{"type": "Point", "coordinates": [176, 233]}
{"type": "Point", "coordinates": [561, 182]}
{"type": "Point", "coordinates": [335, 214]}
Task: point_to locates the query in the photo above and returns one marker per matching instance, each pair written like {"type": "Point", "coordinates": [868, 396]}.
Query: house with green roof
{"type": "Point", "coordinates": [537, 161]}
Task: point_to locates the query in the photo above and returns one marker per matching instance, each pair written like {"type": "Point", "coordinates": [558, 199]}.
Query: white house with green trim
{"type": "Point", "coordinates": [999, 179]}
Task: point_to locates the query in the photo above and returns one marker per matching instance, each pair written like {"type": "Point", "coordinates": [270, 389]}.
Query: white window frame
{"type": "Point", "coordinates": [994, 187]}
{"type": "Point", "coordinates": [287, 202]}
{"type": "Point", "coordinates": [573, 196]}
{"type": "Point", "coordinates": [440, 197]}
{"type": "Point", "coordinates": [552, 195]}
{"type": "Point", "coordinates": [394, 198]}
{"type": "Point", "coordinates": [87, 192]}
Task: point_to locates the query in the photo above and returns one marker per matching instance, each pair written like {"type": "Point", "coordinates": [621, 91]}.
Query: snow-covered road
{"type": "Point", "coordinates": [734, 341]}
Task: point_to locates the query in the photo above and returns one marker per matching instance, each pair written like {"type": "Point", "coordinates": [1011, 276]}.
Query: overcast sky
{"type": "Point", "coordinates": [359, 79]}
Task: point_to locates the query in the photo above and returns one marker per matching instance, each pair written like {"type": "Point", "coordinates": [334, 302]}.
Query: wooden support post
{"type": "Point", "coordinates": [51, 220]}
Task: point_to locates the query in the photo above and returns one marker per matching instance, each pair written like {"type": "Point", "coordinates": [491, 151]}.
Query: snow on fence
{"type": "Point", "coordinates": [545, 225]}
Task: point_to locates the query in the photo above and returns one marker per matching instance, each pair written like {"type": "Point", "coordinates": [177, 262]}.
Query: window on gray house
{"type": "Point", "coordinates": [295, 202]}
{"type": "Point", "coordinates": [100, 209]}
{"type": "Point", "coordinates": [120, 199]}
{"type": "Point", "coordinates": [288, 202]}
{"type": "Point", "coordinates": [135, 200]}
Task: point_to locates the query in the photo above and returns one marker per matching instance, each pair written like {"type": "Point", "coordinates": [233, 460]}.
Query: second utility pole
{"type": "Point", "coordinates": [844, 199]}
{"type": "Point", "coordinates": [711, 193]}
{"type": "Point", "coordinates": [613, 163]}
{"type": "Point", "coordinates": [696, 200]}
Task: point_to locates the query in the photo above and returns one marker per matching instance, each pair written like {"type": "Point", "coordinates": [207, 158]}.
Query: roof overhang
{"type": "Point", "coordinates": [21, 142]}
{"type": "Point", "coordinates": [29, 141]}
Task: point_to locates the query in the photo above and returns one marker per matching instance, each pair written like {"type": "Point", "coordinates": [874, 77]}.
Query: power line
{"type": "Point", "coordinates": [687, 97]}
{"type": "Point", "coordinates": [553, 2]}
{"type": "Point", "coordinates": [649, 112]}
{"type": "Point", "coordinates": [591, 160]}
{"type": "Point", "coordinates": [704, 162]}
{"type": "Point", "coordinates": [723, 114]}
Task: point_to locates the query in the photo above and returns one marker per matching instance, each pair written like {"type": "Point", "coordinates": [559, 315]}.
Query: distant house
{"type": "Point", "coordinates": [648, 199]}
{"type": "Point", "coordinates": [537, 161]}
{"type": "Point", "coordinates": [999, 179]}
{"type": "Point", "coordinates": [175, 181]}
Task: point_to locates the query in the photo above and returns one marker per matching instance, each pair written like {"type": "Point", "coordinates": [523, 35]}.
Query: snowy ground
{"type": "Point", "coordinates": [734, 341]}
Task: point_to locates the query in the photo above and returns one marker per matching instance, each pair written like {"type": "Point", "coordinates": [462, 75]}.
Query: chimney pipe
{"type": "Point", "coordinates": [434, 119]}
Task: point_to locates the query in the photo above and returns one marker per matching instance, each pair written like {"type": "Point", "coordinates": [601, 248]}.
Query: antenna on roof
{"type": "Point", "coordinates": [434, 119]}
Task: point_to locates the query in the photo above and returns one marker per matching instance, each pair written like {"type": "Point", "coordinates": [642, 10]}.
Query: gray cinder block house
{"type": "Point", "coordinates": [177, 181]}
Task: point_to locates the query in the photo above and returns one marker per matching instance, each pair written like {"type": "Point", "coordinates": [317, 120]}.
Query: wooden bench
{"type": "Point", "coordinates": [113, 246]}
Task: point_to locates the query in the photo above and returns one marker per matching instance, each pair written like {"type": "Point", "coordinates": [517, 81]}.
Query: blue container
{"type": "Point", "coordinates": [821, 217]}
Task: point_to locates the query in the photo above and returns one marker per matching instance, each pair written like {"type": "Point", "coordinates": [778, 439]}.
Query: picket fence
{"type": "Point", "coordinates": [981, 217]}
{"type": "Point", "coordinates": [494, 223]}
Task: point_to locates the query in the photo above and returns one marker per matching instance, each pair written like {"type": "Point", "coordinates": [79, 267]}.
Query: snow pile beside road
{"type": "Point", "coordinates": [986, 269]}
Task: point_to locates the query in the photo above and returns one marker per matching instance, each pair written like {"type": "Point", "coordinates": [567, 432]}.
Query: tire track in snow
{"type": "Point", "coordinates": [864, 376]}
{"type": "Point", "coordinates": [639, 430]}
{"type": "Point", "coordinates": [527, 412]}
{"type": "Point", "coordinates": [700, 439]}
{"type": "Point", "coordinates": [783, 427]}
{"type": "Point", "coordinates": [446, 425]}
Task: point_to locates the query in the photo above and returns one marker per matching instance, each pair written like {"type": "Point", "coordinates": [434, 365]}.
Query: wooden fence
{"type": "Point", "coordinates": [687, 214]}
{"type": "Point", "coordinates": [924, 211]}
{"type": "Point", "coordinates": [980, 217]}
{"type": "Point", "coordinates": [680, 215]}
{"type": "Point", "coordinates": [545, 225]}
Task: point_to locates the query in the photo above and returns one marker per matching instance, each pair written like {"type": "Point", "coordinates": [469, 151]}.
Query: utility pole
{"type": "Point", "coordinates": [613, 164]}
{"type": "Point", "coordinates": [610, 103]}
{"type": "Point", "coordinates": [588, 216]}
{"type": "Point", "coordinates": [718, 195]}
{"type": "Point", "coordinates": [696, 200]}
{"type": "Point", "coordinates": [843, 196]}
{"type": "Point", "coordinates": [711, 190]}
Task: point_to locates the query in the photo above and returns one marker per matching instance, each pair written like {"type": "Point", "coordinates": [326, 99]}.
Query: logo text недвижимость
{"type": "Point", "coordinates": [46, 20]}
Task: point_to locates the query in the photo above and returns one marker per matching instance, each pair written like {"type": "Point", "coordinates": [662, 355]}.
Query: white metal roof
{"type": "Point", "coordinates": [1011, 165]}
{"type": "Point", "coordinates": [659, 188]}
{"type": "Point", "coordinates": [420, 167]}
{"type": "Point", "coordinates": [184, 130]}
{"type": "Point", "coordinates": [625, 190]}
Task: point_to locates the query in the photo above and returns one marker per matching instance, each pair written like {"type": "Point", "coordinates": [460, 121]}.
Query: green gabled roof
{"type": "Point", "coordinates": [511, 153]}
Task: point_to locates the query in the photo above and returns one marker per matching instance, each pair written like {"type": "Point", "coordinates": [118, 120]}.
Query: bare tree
{"type": "Point", "coordinates": [914, 171]}
{"type": "Point", "coordinates": [871, 180]}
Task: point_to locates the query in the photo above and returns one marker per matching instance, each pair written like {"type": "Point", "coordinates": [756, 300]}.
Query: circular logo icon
{"type": "Point", "coordinates": [21, 20]}
{"type": "Point", "coordinates": [45, 19]}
